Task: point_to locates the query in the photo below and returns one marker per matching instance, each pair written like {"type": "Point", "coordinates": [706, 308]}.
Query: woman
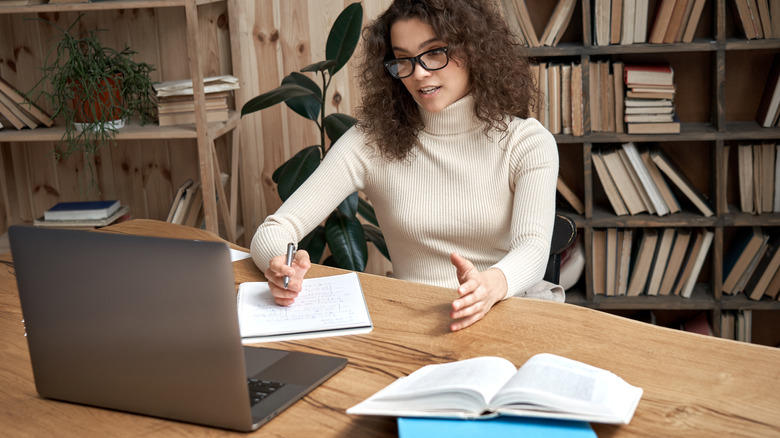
{"type": "Point", "coordinates": [462, 180]}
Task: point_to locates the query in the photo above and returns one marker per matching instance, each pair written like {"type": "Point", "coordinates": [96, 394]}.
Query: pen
{"type": "Point", "coordinates": [290, 255]}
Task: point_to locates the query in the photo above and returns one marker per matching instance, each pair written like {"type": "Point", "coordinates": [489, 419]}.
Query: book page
{"type": "Point", "coordinates": [324, 304]}
{"type": "Point", "coordinates": [461, 386]}
{"type": "Point", "coordinates": [550, 383]}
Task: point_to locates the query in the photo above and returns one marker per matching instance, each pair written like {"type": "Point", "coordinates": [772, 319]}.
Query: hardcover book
{"type": "Point", "coordinates": [81, 210]}
{"type": "Point", "coordinates": [546, 386]}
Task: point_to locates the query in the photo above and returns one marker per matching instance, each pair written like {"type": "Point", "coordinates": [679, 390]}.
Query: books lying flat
{"type": "Point", "coordinates": [81, 210]}
{"type": "Point", "coordinates": [546, 386]}
{"type": "Point", "coordinates": [186, 118]}
{"type": "Point", "coordinates": [501, 427]}
{"type": "Point", "coordinates": [121, 214]}
{"type": "Point", "coordinates": [327, 306]}
{"type": "Point", "coordinates": [211, 84]}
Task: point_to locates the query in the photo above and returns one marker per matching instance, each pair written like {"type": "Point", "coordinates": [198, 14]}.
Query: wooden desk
{"type": "Point", "coordinates": [694, 385]}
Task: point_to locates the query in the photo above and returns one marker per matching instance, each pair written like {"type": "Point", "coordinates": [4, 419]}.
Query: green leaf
{"type": "Point", "coordinates": [337, 124]}
{"type": "Point", "coordinates": [290, 175]}
{"type": "Point", "coordinates": [314, 243]}
{"type": "Point", "coordinates": [349, 206]}
{"type": "Point", "coordinates": [307, 106]}
{"type": "Point", "coordinates": [367, 211]}
{"type": "Point", "coordinates": [347, 241]}
{"type": "Point", "coordinates": [375, 236]}
{"type": "Point", "coordinates": [344, 36]}
{"type": "Point", "coordinates": [271, 98]}
{"type": "Point", "coordinates": [319, 66]}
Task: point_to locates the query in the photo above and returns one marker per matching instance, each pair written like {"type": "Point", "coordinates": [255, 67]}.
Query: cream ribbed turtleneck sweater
{"type": "Point", "coordinates": [491, 200]}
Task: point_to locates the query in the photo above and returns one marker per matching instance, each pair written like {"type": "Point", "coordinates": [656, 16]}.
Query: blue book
{"type": "Point", "coordinates": [493, 428]}
{"type": "Point", "coordinates": [81, 210]}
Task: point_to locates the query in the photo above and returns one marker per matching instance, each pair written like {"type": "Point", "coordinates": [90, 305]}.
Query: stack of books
{"type": "Point", "coordinates": [84, 214]}
{"type": "Point", "coordinates": [18, 111]}
{"type": "Point", "coordinates": [649, 100]}
{"type": "Point", "coordinates": [176, 104]}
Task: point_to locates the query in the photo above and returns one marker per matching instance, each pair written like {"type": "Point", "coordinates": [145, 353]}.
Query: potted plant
{"type": "Point", "coordinates": [94, 88]}
{"type": "Point", "coordinates": [343, 233]}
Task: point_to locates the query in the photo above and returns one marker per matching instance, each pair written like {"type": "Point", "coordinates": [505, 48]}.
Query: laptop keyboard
{"type": "Point", "coordinates": [260, 389]}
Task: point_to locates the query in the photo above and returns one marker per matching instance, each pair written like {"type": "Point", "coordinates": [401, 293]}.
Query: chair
{"type": "Point", "coordinates": [564, 233]}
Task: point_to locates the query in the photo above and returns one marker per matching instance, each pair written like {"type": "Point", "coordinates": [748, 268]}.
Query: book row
{"type": "Point", "coordinates": [519, 21]}
{"type": "Point", "coordinates": [627, 21]}
{"type": "Point", "coordinates": [648, 261]}
{"type": "Point", "coordinates": [18, 111]}
{"type": "Point", "coordinates": [669, 261]}
{"type": "Point", "coordinates": [640, 181]}
{"type": "Point", "coordinates": [751, 264]}
{"type": "Point", "coordinates": [759, 177]}
{"type": "Point", "coordinates": [757, 19]}
{"type": "Point", "coordinates": [623, 98]}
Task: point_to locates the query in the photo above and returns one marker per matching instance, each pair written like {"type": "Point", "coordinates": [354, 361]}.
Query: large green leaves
{"type": "Point", "coordinates": [277, 95]}
{"type": "Point", "coordinates": [375, 236]}
{"type": "Point", "coordinates": [314, 243]}
{"type": "Point", "coordinates": [367, 211]}
{"type": "Point", "coordinates": [337, 124]}
{"type": "Point", "coordinates": [308, 105]}
{"type": "Point", "coordinates": [347, 241]}
{"type": "Point", "coordinates": [344, 36]}
{"type": "Point", "coordinates": [290, 175]}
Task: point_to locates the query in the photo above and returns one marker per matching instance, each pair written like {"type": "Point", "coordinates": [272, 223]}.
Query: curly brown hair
{"type": "Point", "coordinates": [499, 72]}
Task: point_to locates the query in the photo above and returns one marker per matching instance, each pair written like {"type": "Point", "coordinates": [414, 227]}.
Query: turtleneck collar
{"type": "Point", "coordinates": [457, 118]}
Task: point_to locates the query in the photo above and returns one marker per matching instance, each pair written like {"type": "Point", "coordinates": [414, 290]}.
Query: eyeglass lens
{"type": "Point", "coordinates": [435, 59]}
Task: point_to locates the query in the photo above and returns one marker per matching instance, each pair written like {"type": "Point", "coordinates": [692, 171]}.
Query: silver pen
{"type": "Point", "coordinates": [290, 255]}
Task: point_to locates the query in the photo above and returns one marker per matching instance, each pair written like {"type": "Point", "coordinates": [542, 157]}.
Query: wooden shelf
{"type": "Point", "coordinates": [133, 130]}
{"type": "Point", "coordinates": [219, 208]}
{"type": "Point", "coordinates": [701, 299]}
{"type": "Point", "coordinates": [100, 6]}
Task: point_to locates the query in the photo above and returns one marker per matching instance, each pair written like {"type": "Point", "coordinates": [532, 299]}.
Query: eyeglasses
{"type": "Point", "coordinates": [431, 60]}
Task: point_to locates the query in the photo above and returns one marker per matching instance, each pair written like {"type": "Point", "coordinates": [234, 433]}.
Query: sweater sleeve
{"type": "Point", "coordinates": [533, 176]}
{"type": "Point", "coordinates": [339, 175]}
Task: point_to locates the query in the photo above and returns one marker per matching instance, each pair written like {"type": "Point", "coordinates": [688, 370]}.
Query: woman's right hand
{"type": "Point", "coordinates": [278, 269]}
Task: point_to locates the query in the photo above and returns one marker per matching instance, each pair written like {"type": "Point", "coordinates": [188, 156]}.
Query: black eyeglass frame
{"type": "Point", "coordinates": [417, 59]}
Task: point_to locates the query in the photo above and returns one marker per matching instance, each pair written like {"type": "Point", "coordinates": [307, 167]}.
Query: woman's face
{"type": "Point", "coordinates": [433, 90]}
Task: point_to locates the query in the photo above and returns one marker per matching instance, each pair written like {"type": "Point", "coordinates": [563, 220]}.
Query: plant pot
{"type": "Point", "coordinates": [98, 105]}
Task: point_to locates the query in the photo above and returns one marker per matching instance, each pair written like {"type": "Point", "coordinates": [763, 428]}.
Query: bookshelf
{"type": "Point", "coordinates": [217, 202]}
{"type": "Point", "coordinates": [715, 113]}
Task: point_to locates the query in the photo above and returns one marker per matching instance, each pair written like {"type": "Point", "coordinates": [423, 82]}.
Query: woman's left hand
{"type": "Point", "coordinates": [478, 292]}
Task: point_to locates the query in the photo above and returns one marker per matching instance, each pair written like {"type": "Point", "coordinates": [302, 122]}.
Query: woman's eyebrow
{"type": "Point", "coordinates": [423, 44]}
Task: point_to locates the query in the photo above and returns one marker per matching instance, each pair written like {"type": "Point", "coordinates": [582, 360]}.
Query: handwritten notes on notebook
{"type": "Point", "coordinates": [327, 306]}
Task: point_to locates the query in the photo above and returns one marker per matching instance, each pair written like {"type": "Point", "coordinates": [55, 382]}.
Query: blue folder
{"type": "Point", "coordinates": [494, 428]}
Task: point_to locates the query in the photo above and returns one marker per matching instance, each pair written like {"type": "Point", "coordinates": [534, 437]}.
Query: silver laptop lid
{"type": "Point", "coordinates": [138, 324]}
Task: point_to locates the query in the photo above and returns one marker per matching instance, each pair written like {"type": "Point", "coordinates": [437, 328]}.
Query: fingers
{"type": "Point", "coordinates": [463, 266]}
{"type": "Point", "coordinates": [278, 269]}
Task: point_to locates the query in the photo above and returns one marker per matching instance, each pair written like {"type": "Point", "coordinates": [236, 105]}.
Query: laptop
{"type": "Point", "coordinates": [149, 325]}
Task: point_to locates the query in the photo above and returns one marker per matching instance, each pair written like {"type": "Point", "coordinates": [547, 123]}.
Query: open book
{"type": "Point", "coordinates": [546, 386]}
{"type": "Point", "coordinates": [327, 306]}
